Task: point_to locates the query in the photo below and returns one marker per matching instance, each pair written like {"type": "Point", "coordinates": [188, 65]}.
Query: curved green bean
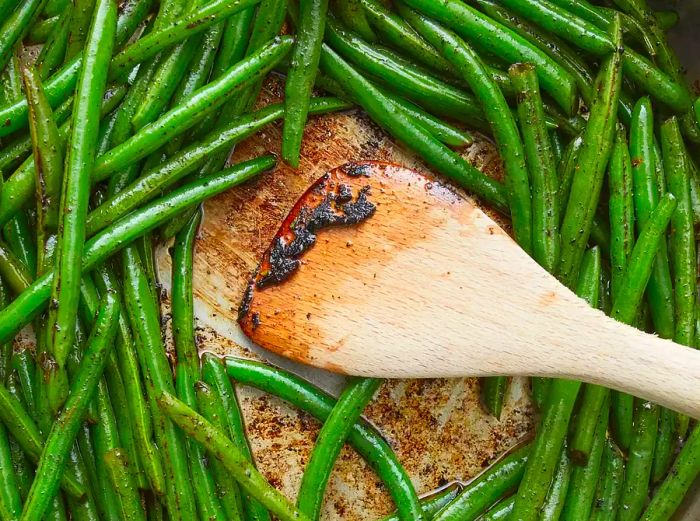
{"type": "Point", "coordinates": [64, 431]}
{"type": "Point", "coordinates": [330, 440]}
{"type": "Point", "coordinates": [433, 503]}
{"type": "Point", "coordinates": [590, 166]}
{"type": "Point", "coordinates": [302, 74]}
{"type": "Point", "coordinates": [363, 437]}
{"type": "Point", "coordinates": [224, 450]}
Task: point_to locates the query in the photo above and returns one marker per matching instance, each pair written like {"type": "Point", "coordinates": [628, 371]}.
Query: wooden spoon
{"type": "Point", "coordinates": [419, 282]}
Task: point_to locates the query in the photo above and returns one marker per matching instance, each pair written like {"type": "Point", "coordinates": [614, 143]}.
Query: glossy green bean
{"type": "Point", "coordinates": [23, 309]}
{"type": "Point", "coordinates": [64, 431]}
{"type": "Point", "coordinates": [105, 435]}
{"type": "Point", "coordinates": [555, 48]}
{"type": "Point", "coordinates": [187, 370]}
{"type": "Point", "coordinates": [144, 317]}
{"type": "Point", "coordinates": [214, 374]}
{"type": "Point", "coordinates": [498, 114]}
{"type": "Point", "coordinates": [553, 427]}
{"type": "Point", "coordinates": [566, 171]}
{"type": "Point", "coordinates": [594, 398]}
{"type": "Point", "coordinates": [582, 488]}
{"type": "Point", "coordinates": [666, 444]}
{"type": "Point", "coordinates": [487, 487]}
{"type": "Point", "coordinates": [10, 500]}
{"type": "Point", "coordinates": [132, 14]}
{"type": "Point", "coordinates": [39, 32]}
{"type": "Point", "coordinates": [301, 76]}
{"type": "Point", "coordinates": [590, 167]}
{"type": "Point", "coordinates": [20, 240]}
{"type": "Point", "coordinates": [353, 16]}
{"type": "Point", "coordinates": [635, 488]}
{"type": "Point", "coordinates": [79, 25]}
{"type": "Point", "coordinates": [393, 29]}
{"type": "Point", "coordinates": [500, 511]}
{"type": "Point", "coordinates": [634, 282]}
{"type": "Point", "coordinates": [140, 420]}
{"type": "Point", "coordinates": [13, 271]}
{"type": "Point", "coordinates": [363, 437]}
{"type": "Point", "coordinates": [223, 449]}
{"type": "Point", "coordinates": [474, 26]}
{"type": "Point", "coordinates": [229, 491]}
{"type": "Point", "coordinates": [540, 165]}
{"type": "Point", "coordinates": [621, 207]}
{"type": "Point", "coordinates": [669, 495]}
{"type": "Point", "coordinates": [589, 37]}
{"type": "Point", "coordinates": [75, 194]}
{"type": "Point", "coordinates": [54, 49]}
{"type": "Point", "coordinates": [607, 496]}
{"type": "Point", "coordinates": [646, 197]}
{"type": "Point", "coordinates": [187, 160]}
{"type": "Point", "coordinates": [16, 25]}
{"type": "Point", "coordinates": [122, 480]}
{"type": "Point", "coordinates": [184, 116]}
{"type": "Point", "coordinates": [683, 254]}
{"type": "Point", "coordinates": [330, 441]}
{"type": "Point", "coordinates": [556, 495]}
{"type": "Point", "coordinates": [432, 504]}
{"type": "Point", "coordinates": [493, 393]}
{"type": "Point", "coordinates": [431, 150]}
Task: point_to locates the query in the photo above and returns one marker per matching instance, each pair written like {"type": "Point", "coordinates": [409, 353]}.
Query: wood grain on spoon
{"type": "Point", "coordinates": [429, 286]}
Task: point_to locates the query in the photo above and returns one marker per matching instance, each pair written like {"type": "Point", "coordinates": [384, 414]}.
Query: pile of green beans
{"type": "Point", "coordinates": [117, 129]}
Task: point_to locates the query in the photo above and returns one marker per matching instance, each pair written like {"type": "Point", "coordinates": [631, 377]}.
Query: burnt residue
{"type": "Point", "coordinates": [328, 202]}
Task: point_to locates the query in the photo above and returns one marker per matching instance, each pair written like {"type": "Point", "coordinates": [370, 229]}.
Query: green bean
{"type": "Point", "coordinates": [20, 240]}
{"type": "Point", "coordinates": [352, 15]}
{"type": "Point", "coordinates": [666, 442]}
{"type": "Point", "coordinates": [330, 441]}
{"type": "Point", "coordinates": [547, 43]}
{"type": "Point", "coordinates": [48, 166]}
{"type": "Point", "coordinates": [363, 437]}
{"type": "Point", "coordinates": [540, 165]}
{"type": "Point", "coordinates": [551, 432]}
{"type": "Point", "coordinates": [633, 284]}
{"type": "Point", "coordinates": [474, 26]}
{"type": "Point", "coordinates": [15, 152]}
{"type": "Point", "coordinates": [556, 495]}
{"type": "Point", "coordinates": [61, 84]}
{"type": "Point", "coordinates": [75, 194]}
{"type": "Point", "coordinates": [6, 7]}
{"type": "Point", "coordinates": [187, 370]}
{"type": "Point", "coordinates": [635, 488]}
{"type": "Point", "coordinates": [13, 271]}
{"type": "Point", "coordinates": [23, 309]}
{"type": "Point", "coordinates": [16, 25]}
{"type": "Point", "coordinates": [122, 480]}
{"type": "Point", "coordinates": [229, 491]}
{"type": "Point", "coordinates": [590, 167]}
{"type": "Point", "coordinates": [566, 170]}
{"type": "Point", "coordinates": [64, 431]}
{"type": "Point", "coordinates": [105, 436]}
{"type": "Point", "coordinates": [621, 207]}
{"type": "Point", "coordinates": [175, 32]}
{"type": "Point", "coordinates": [234, 40]}
{"type": "Point", "coordinates": [487, 487]}
{"type": "Point", "coordinates": [668, 496]}
{"type": "Point", "coordinates": [184, 116]}
{"type": "Point", "coordinates": [666, 19]}
{"type": "Point", "coordinates": [607, 496]}
{"type": "Point", "coordinates": [402, 36]}
{"type": "Point", "coordinates": [683, 255]}
{"type": "Point", "coordinates": [223, 449]}
{"type": "Point", "coordinates": [500, 511]}
{"type": "Point", "coordinates": [10, 500]}
{"type": "Point", "coordinates": [139, 414]}
{"type": "Point", "coordinates": [144, 317]}
{"type": "Point", "coordinates": [302, 74]}
{"type": "Point", "coordinates": [39, 32]}
{"type": "Point", "coordinates": [582, 488]}
{"type": "Point", "coordinates": [164, 175]}
{"type": "Point", "coordinates": [594, 398]}
{"type": "Point", "coordinates": [432, 504]}
{"type": "Point", "coordinates": [498, 114]}
{"type": "Point", "coordinates": [79, 25]}
{"type": "Point", "coordinates": [402, 78]}
{"type": "Point", "coordinates": [431, 150]}
{"type": "Point", "coordinates": [132, 13]}
{"type": "Point", "coordinates": [493, 393]}
{"type": "Point", "coordinates": [587, 36]}
{"type": "Point", "coordinates": [447, 134]}
{"type": "Point", "coordinates": [214, 374]}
